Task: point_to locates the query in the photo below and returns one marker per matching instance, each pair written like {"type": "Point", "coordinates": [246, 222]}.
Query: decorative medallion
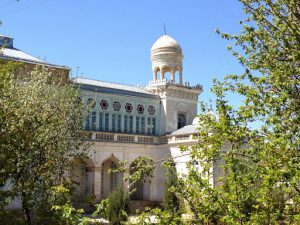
{"type": "Point", "coordinates": [151, 110]}
{"type": "Point", "coordinates": [104, 104]}
{"type": "Point", "coordinates": [128, 107]}
{"type": "Point", "coordinates": [140, 109]}
{"type": "Point", "coordinates": [91, 103]}
{"type": "Point", "coordinates": [117, 106]}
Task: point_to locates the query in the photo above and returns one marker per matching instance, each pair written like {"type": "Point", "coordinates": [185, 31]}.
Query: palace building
{"type": "Point", "coordinates": [126, 122]}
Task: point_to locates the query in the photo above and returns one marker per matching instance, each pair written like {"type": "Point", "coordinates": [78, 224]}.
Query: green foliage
{"type": "Point", "coordinates": [139, 170]}
{"type": "Point", "coordinates": [62, 210]}
{"type": "Point", "coordinates": [258, 166]}
{"type": "Point", "coordinates": [158, 216]}
{"type": "Point", "coordinates": [171, 202]}
{"type": "Point", "coordinates": [115, 208]}
{"type": "Point", "coordinates": [40, 121]}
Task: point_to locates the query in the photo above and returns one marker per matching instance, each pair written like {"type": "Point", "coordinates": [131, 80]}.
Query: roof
{"type": "Point", "coordinates": [189, 129]}
{"type": "Point", "coordinates": [18, 54]}
{"type": "Point", "coordinates": [116, 88]}
{"type": "Point", "coordinates": [166, 41]}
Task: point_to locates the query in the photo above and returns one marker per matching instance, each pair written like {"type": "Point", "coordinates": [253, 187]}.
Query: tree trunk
{"type": "Point", "coordinates": [27, 216]}
{"type": "Point", "coordinates": [26, 210]}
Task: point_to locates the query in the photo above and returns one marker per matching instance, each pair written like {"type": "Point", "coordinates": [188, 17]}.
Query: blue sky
{"type": "Point", "coordinates": [111, 40]}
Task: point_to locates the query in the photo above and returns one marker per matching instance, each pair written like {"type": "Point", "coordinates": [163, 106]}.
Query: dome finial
{"type": "Point", "coordinates": [165, 29]}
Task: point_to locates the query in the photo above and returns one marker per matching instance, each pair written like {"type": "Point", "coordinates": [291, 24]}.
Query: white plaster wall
{"type": "Point", "coordinates": [129, 151]}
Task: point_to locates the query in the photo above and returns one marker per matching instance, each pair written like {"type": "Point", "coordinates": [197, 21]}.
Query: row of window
{"type": "Point", "coordinates": [117, 106]}
{"type": "Point", "coordinates": [120, 123]}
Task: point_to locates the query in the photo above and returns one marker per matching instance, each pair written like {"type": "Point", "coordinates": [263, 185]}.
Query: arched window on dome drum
{"type": "Point", "coordinates": [181, 120]}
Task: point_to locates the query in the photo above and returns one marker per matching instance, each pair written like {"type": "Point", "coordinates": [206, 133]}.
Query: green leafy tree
{"type": "Point", "coordinates": [254, 147]}
{"type": "Point", "coordinates": [40, 122]}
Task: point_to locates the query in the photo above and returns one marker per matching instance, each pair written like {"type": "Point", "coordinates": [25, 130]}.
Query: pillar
{"type": "Point", "coordinates": [180, 77]}
{"type": "Point", "coordinates": [155, 75]}
{"type": "Point", "coordinates": [173, 76]}
{"type": "Point", "coordinates": [97, 182]}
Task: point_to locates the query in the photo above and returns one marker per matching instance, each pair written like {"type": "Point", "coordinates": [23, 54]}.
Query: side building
{"type": "Point", "coordinates": [9, 53]}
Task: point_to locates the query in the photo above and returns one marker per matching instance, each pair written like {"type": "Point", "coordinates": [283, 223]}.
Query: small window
{"type": "Point", "coordinates": [143, 125]}
{"type": "Point", "coordinates": [153, 125]}
{"type": "Point", "coordinates": [87, 122]}
{"type": "Point", "coordinates": [125, 123]}
{"type": "Point", "coordinates": [101, 125]}
{"type": "Point", "coordinates": [151, 110]}
{"type": "Point", "coordinates": [91, 103]}
{"type": "Point", "coordinates": [149, 126]}
{"type": "Point", "coordinates": [104, 104]}
{"type": "Point", "coordinates": [130, 124]}
{"type": "Point", "coordinates": [137, 125]}
{"type": "Point", "coordinates": [181, 120]}
{"type": "Point", "coordinates": [140, 109]}
{"type": "Point", "coordinates": [128, 107]}
{"type": "Point", "coordinates": [119, 129]}
{"type": "Point", "coordinates": [113, 122]}
{"type": "Point", "coordinates": [93, 120]}
{"type": "Point", "coordinates": [117, 106]}
{"type": "Point", "coordinates": [106, 121]}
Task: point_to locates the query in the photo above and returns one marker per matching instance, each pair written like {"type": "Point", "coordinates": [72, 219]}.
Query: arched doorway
{"type": "Point", "coordinates": [141, 187]}
{"type": "Point", "coordinates": [109, 181]}
{"type": "Point", "coordinates": [82, 178]}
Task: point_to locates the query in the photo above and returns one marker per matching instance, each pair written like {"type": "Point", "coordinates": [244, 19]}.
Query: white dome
{"type": "Point", "coordinates": [166, 56]}
{"type": "Point", "coordinates": [166, 41]}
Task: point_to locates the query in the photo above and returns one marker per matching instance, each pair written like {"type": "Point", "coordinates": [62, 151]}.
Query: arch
{"type": "Point", "coordinates": [82, 177]}
{"type": "Point", "coordinates": [109, 181]}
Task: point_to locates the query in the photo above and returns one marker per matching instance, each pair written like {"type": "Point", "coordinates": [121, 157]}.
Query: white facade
{"type": "Point", "coordinates": [127, 122]}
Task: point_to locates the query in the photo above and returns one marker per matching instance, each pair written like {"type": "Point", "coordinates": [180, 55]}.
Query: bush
{"type": "Point", "coordinates": [115, 208]}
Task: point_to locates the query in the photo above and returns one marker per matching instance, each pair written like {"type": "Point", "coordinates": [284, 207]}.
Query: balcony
{"type": "Point", "coordinates": [126, 138]}
{"type": "Point", "coordinates": [168, 82]}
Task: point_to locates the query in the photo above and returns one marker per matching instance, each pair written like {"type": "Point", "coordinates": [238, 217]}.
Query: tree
{"type": "Point", "coordinates": [40, 122]}
{"type": "Point", "coordinates": [255, 147]}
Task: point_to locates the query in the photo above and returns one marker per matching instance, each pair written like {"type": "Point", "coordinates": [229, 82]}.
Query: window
{"type": "Point", "coordinates": [117, 106]}
{"type": "Point", "coordinates": [181, 120]}
{"type": "Point", "coordinates": [128, 107]}
{"type": "Point", "coordinates": [151, 110]}
{"type": "Point", "coordinates": [113, 123]}
{"type": "Point", "coordinates": [93, 120]}
{"type": "Point", "coordinates": [106, 121]}
{"type": "Point", "coordinates": [130, 124]}
{"type": "Point", "coordinates": [87, 122]}
{"type": "Point", "coordinates": [104, 104]}
{"type": "Point", "coordinates": [125, 123]}
{"type": "Point", "coordinates": [143, 125]}
{"type": "Point", "coordinates": [149, 126]}
{"type": "Point", "coordinates": [91, 103]}
{"type": "Point", "coordinates": [140, 109]}
{"type": "Point", "coordinates": [101, 125]}
{"type": "Point", "coordinates": [153, 126]}
{"type": "Point", "coordinates": [137, 125]}
{"type": "Point", "coordinates": [119, 129]}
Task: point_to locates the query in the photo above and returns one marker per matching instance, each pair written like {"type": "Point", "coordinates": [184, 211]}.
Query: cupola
{"type": "Point", "coordinates": [166, 56]}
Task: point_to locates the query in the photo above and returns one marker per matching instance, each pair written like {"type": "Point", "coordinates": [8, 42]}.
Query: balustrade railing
{"type": "Point", "coordinates": [133, 138]}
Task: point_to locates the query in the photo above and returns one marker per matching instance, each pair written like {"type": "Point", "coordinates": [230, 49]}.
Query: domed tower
{"type": "Point", "coordinates": [166, 56]}
{"type": "Point", "coordinates": [178, 100]}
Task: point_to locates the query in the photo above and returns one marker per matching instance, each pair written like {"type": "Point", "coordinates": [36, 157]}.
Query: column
{"type": "Point", "coordinates": [180, 77]}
